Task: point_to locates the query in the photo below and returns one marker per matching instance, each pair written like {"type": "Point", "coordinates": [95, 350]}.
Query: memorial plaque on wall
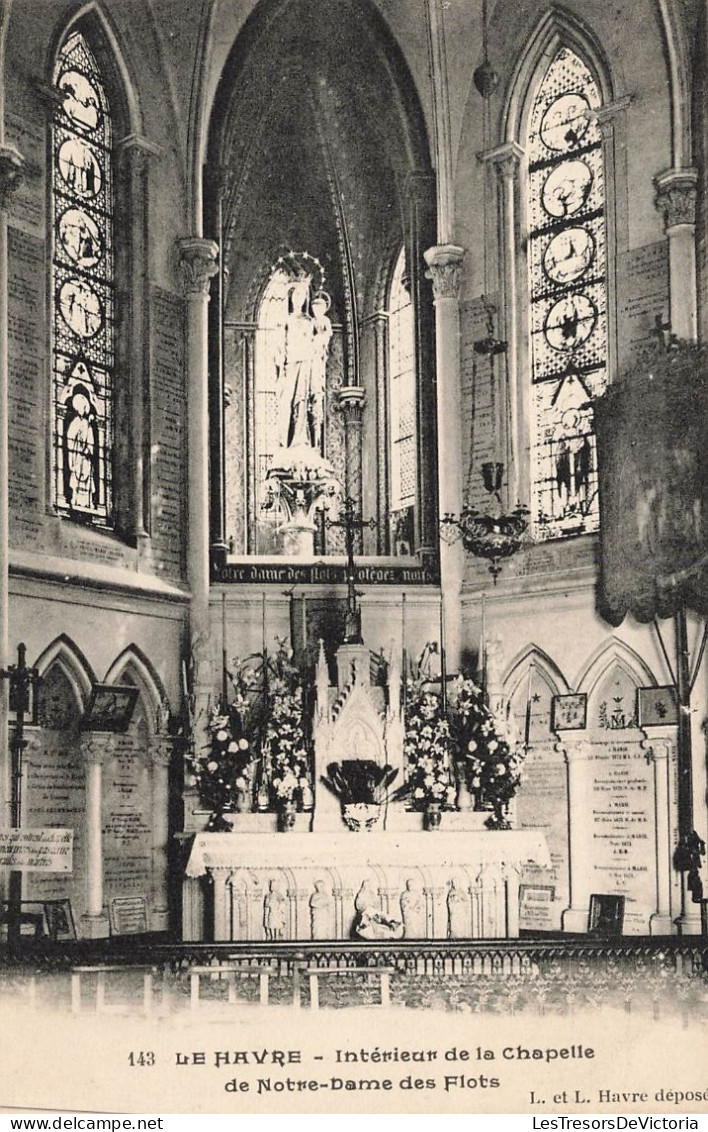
{"type": "Point", "coordinates": [127, 820]}
{"type": "Point", "coordinates": [26, 304]}
{"type": "Point", "coordinates": [55, 797]}
{"type": "Point", "coordinates": [28, 204]}
{"type": "Point", "coordinates": [542, 803]}
{"type": "Point", "coordinates": [168, 428]}
{"type": "Point", "coordinates": [643, 284]}
{"type": "Point", "coordinates": [622, 852]}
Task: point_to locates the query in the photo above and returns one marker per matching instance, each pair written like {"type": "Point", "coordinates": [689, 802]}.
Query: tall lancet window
{"type": "Point", "coordinates": [402, 409]}
{"type": "Point", "coordinates": [568, 293]}
{"type": "Point", "coordinates": [82, 204]}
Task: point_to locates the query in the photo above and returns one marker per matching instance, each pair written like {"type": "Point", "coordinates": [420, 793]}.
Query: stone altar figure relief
{"type": "Point", "coordinates": [370, 922]}
{"type": "Point", "coordinates": [458, 913]}
{"type": "Point", "coordinates": [239, 911]}
{"type": "Point", "coordinates": [321, 926]}
{"type": "Point", "coordinates": [300, 366]}
{"type": "Point", "coordinates": [275, 911]}
{"type": "Point", "coordinates": [413, 910]}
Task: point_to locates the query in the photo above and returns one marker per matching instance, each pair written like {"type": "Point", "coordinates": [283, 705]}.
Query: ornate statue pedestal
{"type": "Point", "coordinates": [300, 481]}
{"type": "Point", "coordinates": [461, 884]}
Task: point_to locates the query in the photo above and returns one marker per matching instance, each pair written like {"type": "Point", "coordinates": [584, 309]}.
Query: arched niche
{"type": "Point", "coordinates": [136, 795]}
{"type": "Point", "coordinates": [332, 160]}
{"type": "Point", "coordinates": [610, 680]}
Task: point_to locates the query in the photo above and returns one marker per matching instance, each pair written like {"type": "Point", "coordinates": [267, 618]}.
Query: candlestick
{"type": "Point", "coordinates": [527, 733]}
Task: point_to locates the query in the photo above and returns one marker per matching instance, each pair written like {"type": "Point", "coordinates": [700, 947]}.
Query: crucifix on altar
{"type": "Point", "coordinates": [350, 522]}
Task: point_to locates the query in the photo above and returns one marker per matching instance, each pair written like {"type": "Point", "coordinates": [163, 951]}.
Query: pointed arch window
{"type": "Point", "coordinates": [83, 346]}
{"type": "Point", "coordinates": [402, 407]}
{"type": "Point", "coordinates": [567, 280]}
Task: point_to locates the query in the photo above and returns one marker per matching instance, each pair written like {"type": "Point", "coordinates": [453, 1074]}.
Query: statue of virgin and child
{"type": "Point", "coordinates": [301, 367]}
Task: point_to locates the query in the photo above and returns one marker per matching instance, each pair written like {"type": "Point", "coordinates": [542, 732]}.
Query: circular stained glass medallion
{"type": "Point", "coordinates": [567, 189]}
{"type": "Point", "coordinates": [81, 308]}
{"type": "Point", "coordinates": [79, 168]}
{"type": "Point", "coordinates": [80, 237]}
{"type": "Point", "coordinates": [570, 322]}
{"type": "Point", "coordinates": [568, 255]}
{"type": "Point", "coordinates": [81, 100]}
{"type": "Point", "coordinates": [565, 122]}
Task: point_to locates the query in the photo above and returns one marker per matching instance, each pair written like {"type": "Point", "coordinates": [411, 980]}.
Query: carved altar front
{"type": "Point", "coordinates": [305, 886]}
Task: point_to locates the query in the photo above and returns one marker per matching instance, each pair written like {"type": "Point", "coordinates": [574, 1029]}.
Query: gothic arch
{"type": "Point", "coordinates": [613, 652]}
{"type": "Point", "coordinates": [517, 671]}
{"type": "Point", "coordinates": [556, 28]}
{"type": "Point", "coordinates": [113, 60]}
{"type": "Point", "coordinates": [68, 656]}
{"type": "Point", "coordinates": [680, 85]}
{"type": "Point", "coordinates": [151, 691]}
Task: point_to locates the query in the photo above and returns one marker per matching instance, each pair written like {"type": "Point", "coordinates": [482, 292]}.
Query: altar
{"type": "Point", "coordinates": [308, 886]}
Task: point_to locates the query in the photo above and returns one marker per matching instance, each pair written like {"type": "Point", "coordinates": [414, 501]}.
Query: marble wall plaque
{"type": "Point", "coordinates": [26, 307]}
{"type": "Point", "coordinates": [55, 797]}
{"type": "Point", "coordinates": [643, 287]}
{"type": "Point", "coordinates": [169, 436]}
{"type": "Point", "coordinates": [622, 823]}
{"type": "Point", "coordinates": [127, 821]}
{"type": "Point", "coordinates": [542, 803]}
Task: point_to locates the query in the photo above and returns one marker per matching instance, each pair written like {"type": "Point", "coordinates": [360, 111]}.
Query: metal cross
{"type": "Point", "coordinates": [351, 522]}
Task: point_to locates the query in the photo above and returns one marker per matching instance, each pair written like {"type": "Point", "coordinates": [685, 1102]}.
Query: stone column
{"type": "Point", "coordinates": [658, 745]}
{"type": "Point", "coordinates": [506, 159]}
{"type": "Point", "coordinates": [577, 754]}
{"type": "Point", "coordinates": [676, 194]}
{"type": "Point", "coordinates": [198, 261]}
{"type": "Point", "coordinates": [96, 748]}
{"type": "Point", "coordinates": [11, 172]}
{"type": "Point", "coordinates": [160, 755]}
{"type": "Point", "coordinates": [136, 153]}
{"type": "Point", "coordinates": [445, 265]}
{"type": "Point", "coordinates": [221, 895]}
{"type": "Point", "coordinates": [351, 403]}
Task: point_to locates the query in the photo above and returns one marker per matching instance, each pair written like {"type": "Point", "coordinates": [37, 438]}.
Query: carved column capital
{"type": "Point", "coordinates": [12, 168]}
{"type": "Point", "coordinates": [575, 750]}
{"type": "Point", "coordinates": [160, 750]}
{"type": "Point", "coordinates": [351, 402]}
{"type": "Point", "coordinates": [444, 270]}
{"type": "Point", "coordinates": [506, 159]}
{"type": "Point", "coordinates": [198, 258]}
{"type": "Point", "coordinates": [97, 747]}
{"type": "Point", "coordinates": [676, 195]}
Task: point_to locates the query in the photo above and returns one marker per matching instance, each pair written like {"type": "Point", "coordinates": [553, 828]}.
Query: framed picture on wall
{"type": "Point", "coordinates": [59, 919]}
{"type": "Point", "coordinates": [657, 706]}
{"type": "Point", "coordinates": [570, 713]}
{"type": "Point", "coordinates": [606, 915]}
{"type": "Point", "coordinates": [110, 707]}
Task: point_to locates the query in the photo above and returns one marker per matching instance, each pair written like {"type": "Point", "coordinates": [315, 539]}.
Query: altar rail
{"type": "Point", "coordinates": [569, 955]}
{"type": "Point", "coordinates": [655, 976]}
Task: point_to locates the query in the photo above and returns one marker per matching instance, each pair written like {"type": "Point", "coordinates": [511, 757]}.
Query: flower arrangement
{"type": "Point", "coordinates": [426, 748]}
{"type": "Point", "coordinates": [484, 752]}
{"type": "Point", "coordinates": [257, 740]}
{"type": "Point", "coordinates": [286, 743]}
{"type": "Point", "coordinates": [224, 771]}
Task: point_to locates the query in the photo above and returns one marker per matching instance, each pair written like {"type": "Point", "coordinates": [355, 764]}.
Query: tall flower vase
{"type": "Point", "coordinates": [432, 815]}
{"type": "Point", "coordinates": [244, 802]}
{"type": "Point", "coordinates": [286, 817]}
{"type": "Point", "coordinates": [463, 800]}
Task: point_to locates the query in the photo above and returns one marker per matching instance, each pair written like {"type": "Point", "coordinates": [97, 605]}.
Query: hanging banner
{"type": "Point", "coordinates": [37, 850]}
{"type": "Point", "coordinates": [652, 439]}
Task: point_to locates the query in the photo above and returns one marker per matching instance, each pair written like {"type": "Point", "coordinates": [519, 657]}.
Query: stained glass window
{"type": "Point", "coordinates": [402, 392]}
{"type": "Point", "coordinates": [567, 285]}
{"type": "Point", "coordinates": [83, 287]}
